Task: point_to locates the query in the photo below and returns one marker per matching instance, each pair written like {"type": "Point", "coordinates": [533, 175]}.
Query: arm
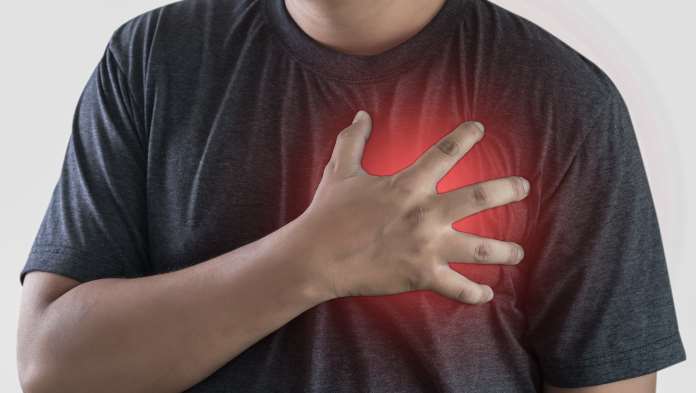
{"type": "Point", "coordinates": [160, 333]}
{"type": "Point", "coordinates": [601, 316]}
{"type": "Point", "coordinates": [166, 332]}
{"type": "Point", "coordinates": [642, 384]}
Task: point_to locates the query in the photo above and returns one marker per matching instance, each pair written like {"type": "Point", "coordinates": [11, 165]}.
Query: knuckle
{"type": "Point", "coordinates": [422, 216]}
{"type": "Point", "coordinates": [422, 245]}
{"type": "Point", "coordinates": [400, 183]}
{"type": "Point", "coordinates": [421, 278]}
{"type": "Point", "coordinates": [419, 254]}
{"type": "Point", "coordinates": [482, 251]}
{"type": "Point", "coordinates": [412, 283]}
{"type": "Point", "coordinates": [390, 182]}
{"type": "Point", "coordinates": [405, 189]}
{"type": "Point", "coordinates": [426, 278]}
{"type": "Point", "coordinates": [416, 215]}
{"type": "Point", "coordinates": [449, 146]}
{"type": "Point", "coordinates": [480, 195]}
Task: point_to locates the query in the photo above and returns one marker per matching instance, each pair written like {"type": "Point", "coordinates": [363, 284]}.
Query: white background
{"type": "Point", "coordinates": [50, 48]}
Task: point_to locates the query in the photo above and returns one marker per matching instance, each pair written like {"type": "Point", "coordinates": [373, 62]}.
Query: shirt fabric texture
{"type": "Point", "coordinates": [207, 124]}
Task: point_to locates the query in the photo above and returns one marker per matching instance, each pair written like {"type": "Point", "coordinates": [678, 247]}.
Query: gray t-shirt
{"type": "Point", "coordinates": [207, 124]}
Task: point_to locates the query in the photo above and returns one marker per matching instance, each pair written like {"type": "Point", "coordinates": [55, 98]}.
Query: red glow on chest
{"type": "Point", "coordinates": [396, 144]}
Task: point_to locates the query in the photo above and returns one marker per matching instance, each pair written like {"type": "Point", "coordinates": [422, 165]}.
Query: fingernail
{"type": "Point", "coordinates": [359, 116]}
{"type": "Point", "coordinates": [480, 126]}
{"type": "Point", "coordinates": [525, 184]}
{"type": "Point", "coordinates": [488, 296]}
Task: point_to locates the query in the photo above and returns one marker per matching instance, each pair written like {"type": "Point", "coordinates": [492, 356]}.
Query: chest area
{"type": "Point", "coordinates": [229, 167]}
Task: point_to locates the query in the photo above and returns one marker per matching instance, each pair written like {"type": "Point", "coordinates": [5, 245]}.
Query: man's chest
{"type": "Point", "coordinates": [229, 167]}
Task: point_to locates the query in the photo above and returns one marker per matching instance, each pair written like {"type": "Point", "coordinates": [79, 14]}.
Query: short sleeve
{"type": "Point", "coordinates": [598, 303]}
{"type": "Point", "coordinates": [95, 224]}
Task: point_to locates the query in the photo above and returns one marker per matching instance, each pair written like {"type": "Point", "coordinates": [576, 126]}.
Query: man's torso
{"type": "Point", "coordinates": [239, 127]}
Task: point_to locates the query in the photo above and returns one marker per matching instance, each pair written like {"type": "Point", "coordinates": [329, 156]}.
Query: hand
{"type": "Point", "coordinates": [381, 235]}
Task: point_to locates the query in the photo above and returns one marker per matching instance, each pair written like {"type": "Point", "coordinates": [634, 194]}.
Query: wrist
{"type": "Point", "coordinates": [299, 249]}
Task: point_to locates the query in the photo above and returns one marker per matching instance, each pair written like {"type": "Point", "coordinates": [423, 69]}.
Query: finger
{"type": "Point", "coordinates": [432, 165]}
{"type": "Point", "coordinates": [348, 151]}
{"type": "Point", "coordinates": [454, 285]}
{"type": "Point", "coordinates": [469, 248]}
{"type": "Point", "coordinates": [480, 196]}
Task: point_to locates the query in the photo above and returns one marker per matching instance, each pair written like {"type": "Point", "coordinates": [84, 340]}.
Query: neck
{"type": "Point", "coordinates": [362, 27]}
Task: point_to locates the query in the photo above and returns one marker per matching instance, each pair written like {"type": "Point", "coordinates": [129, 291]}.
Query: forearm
{"type": "Point", "coordinates": [166, 332]}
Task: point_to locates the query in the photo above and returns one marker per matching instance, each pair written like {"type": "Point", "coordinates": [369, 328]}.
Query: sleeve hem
{"type": "Point", "coordinates": [69, 262]}
{"type": "Point", "coordinates": [631, 363]}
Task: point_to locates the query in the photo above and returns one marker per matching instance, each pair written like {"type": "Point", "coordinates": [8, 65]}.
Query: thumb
{"type": "Point", "coordinates": [454, 285]}
{"type": "Point", "coordinates": [350, 143]}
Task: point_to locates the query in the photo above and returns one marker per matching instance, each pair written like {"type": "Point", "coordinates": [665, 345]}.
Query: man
{"type": "Point", "coordinates": [223, 221]}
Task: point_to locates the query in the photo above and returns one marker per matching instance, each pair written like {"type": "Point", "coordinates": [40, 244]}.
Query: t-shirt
{"type": "Point", "coordinates": [207, 124]}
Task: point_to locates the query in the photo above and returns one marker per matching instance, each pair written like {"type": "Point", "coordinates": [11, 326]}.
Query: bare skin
{"type": "Point", "coordinates": [146, 334]}
{"type": "Point", "coordinates": [166, 332]}
{"type": "Point", "coordinates": [357, 27]}
{"type": "Point", "coordinates": [362, 222]}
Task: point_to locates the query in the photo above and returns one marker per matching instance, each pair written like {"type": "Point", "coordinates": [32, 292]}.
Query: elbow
{"type": "Point", "coordinates": [41, 344]}
{"type": "Point", "coordinates": [36, 375]}
{"type": "Point", "coordinates": [34, 378]}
